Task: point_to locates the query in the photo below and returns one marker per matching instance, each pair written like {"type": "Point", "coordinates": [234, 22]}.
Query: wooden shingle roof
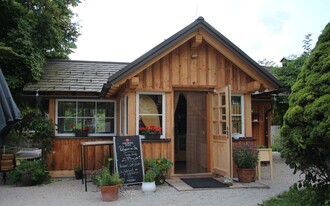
{"type": "Point", "coordinates": [74, 76]}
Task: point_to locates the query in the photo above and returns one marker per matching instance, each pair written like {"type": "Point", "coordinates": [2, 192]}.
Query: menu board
{"type": "Point", "coordinates": [128, 158]}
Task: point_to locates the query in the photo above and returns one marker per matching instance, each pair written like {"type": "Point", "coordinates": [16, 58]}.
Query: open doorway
{"type": "Point", "coordinates": [190, 132]}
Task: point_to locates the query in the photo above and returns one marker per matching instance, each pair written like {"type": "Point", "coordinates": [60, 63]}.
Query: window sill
{"type": "Point", "coordinates": [157, 140]}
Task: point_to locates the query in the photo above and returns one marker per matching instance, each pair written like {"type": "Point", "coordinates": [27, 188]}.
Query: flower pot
{"type": "Point", "coordinates": [152, 136]}
{"type": "Point", "coordinates": [81, 133]}
{"type": "Point", "coordinates": [245, 175]}
{"type": "Point", "coordinates": [148, 187]}
{"type": "Point", "coordinates": [78, 174]}
{"type": "Point", "coordinates": [109, 193]}
{"type": "Point", "coordinates": [160, 179]}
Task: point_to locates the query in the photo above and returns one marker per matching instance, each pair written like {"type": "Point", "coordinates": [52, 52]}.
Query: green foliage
{"type": "Point", "coordinates": [305, 132]}
{"type": "Point", "coordinates": [107, 179]}
{"type": "Point", "coordinates": [245, 155]}
{"type": "Point", "coordinates": [288, 75]}
{"type": "Point", "coordinates": [161, 165]}
{"type": "Point", "coordinates": [296, 197]}
{"type": "Point", "coordinates": [78, 169]}
{"type": "Point", "coordinates": [36, 168]}
{"type": "Point", "coordinates": [37, 130]}
{"type": "Point", "coordinates": [277, 144]}
{"type": "Point", "coordinates": [31, 31]}
{"type": "Point", "coordinates": [149, 176]}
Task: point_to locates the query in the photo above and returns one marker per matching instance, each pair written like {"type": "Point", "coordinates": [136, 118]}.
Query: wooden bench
{"type": "Point", "coordinates": [7, 163]}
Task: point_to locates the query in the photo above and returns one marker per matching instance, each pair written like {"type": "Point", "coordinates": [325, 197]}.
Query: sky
{"type": "Point", "coordinates": [123, 30]}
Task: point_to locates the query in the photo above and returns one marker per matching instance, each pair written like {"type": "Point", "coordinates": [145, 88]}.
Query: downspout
{"type": "Point", "coordinates": [266, 124]}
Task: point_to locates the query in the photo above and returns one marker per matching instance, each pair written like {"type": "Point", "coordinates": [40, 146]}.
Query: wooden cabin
{"type": "Point", "coordinates": [197, 86]}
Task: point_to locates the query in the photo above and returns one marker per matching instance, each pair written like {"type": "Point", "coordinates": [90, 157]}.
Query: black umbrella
{"type": "Point", "coordinates": [9, 113]}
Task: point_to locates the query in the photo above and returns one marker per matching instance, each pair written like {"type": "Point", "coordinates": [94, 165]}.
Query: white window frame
{"type": "Point", "coordinates": [83, 100]}
{"type": "Point", "coordinates": [120, 117]}
{"type": "Point", "coordinates": [242, 113]}
{"type": "Point", "coordinates": [163, 112]}
{"type": "Point", "coordinates": [126, 115]}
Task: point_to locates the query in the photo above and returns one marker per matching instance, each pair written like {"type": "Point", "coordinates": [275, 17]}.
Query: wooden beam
{"type": "Point", "coordinates": [133, 83]}
{"type": "Point", "coordinates": [253, 86]}
{"type": "Point", "coordinates": [197, 40]}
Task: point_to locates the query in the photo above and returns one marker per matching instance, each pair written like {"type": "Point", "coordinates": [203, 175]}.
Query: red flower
{"type": "Point", "coordinates": [150, 130]}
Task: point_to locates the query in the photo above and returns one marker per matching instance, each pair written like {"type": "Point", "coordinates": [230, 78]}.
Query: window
{"type": "Point", "coordinates": [151, 111]}
{"type": "Point", "coordinates": [99, 116]}
{"type": "Point", "coordinates": [237, 114]}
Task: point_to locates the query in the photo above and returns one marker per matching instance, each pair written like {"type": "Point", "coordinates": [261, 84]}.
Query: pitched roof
{"type": "Point", "coordinates": [74, 76]}
{"type": "Point", "coordinates": [197, 24]}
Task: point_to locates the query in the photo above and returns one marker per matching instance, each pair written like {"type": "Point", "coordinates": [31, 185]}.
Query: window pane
{"type": "Point", "coordinates": [237, 124]}
{"type": "Point", "coordinates": [66, 109]}
{"type": "Point", "coordinates": [64, 125]}
{"type": "Point", "coordinates": [105, 109]}
{"type": "Point", "coordinates": [105, 125]}
{"type": "Point", "coordinates": [150, 104]}
{"type": "Point", "coordinates": [236, 105]}
{"type": "Point", "coordinates": [86, 109]}
{"type": "Point", "coordinates": [148, 120]}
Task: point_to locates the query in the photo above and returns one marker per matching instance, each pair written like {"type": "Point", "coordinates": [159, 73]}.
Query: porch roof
{"type": "Point", "coordinates": [74, 76]}
{"type": "Point", "coordinates": [199, 23]}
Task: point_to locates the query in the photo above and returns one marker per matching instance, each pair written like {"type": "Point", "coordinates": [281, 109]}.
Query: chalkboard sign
{"type": "Point", "coordinates": [128, 158]}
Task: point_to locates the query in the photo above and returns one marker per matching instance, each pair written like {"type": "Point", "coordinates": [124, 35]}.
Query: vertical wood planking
{"type": "Point", "coordinates": [156, 76]}
{"type": "Point", "coordinates": [183, 64]}
{"type": "Point", "coordinates": [166, 72]}
{"type": "Point", "coordinates": [202, 73]}
{"type": "Point", "coordinates": [175, 64]}
{"type": "Point", "coordinates": [148, 78]}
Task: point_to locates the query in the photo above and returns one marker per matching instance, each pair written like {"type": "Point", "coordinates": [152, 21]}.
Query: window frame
{"type": "Point", "coordinates": [163, 136]}
{"type": "Point", "coordinates": [242, 114]}
{"type": "Point", "coordinates": [71, 134]}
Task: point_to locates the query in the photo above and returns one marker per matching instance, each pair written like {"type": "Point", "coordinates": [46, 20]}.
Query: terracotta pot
{"type": "Point", "coordinates": [109, 193]}
{"type": "Point", "coordinates": [245, 175]}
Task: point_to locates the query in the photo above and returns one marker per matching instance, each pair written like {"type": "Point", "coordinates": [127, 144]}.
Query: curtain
{"type": "Point", "coordinates": [196, 154]}
{"type": "Point", "coordinates": [148, 106]}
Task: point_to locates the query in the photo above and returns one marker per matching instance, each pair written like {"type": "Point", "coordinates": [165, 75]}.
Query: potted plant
{"type": "Point", "coordinates": [151, 132]}
{"type": "Point", "coordinates": [108, 184]}
{"type": "Point", "coordinates": [148, 184]}
{"type": "Point", "coordinates": [80, 132]}
{"type": "Point", "coordinates": [246, 158]}
{"type": "Point", "coordinates": [161, 166]}
{"type": "Point", "coordinates": [78, 173]}
{"type": "Point", "coordinates": [28, 173]}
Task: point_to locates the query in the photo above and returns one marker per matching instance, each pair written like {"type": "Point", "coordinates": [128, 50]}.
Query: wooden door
{"type": "Point", "coordinates": [221, 141]}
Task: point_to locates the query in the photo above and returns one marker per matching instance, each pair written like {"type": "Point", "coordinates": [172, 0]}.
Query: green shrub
{"type": "Point", "coordinates": [36, 168]}
{"type": "Point", "coordinates": [107, 179]}
{"type": "Point", "coordinates": [277, 145]}
{"type": "Point", "coordinates": [149, 176]}
{"type": "Point", "coordinates": [296, 197]}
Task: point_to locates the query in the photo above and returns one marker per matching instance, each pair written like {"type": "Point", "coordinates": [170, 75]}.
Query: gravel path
{"type": "Point", "coordinates": [71, 192]}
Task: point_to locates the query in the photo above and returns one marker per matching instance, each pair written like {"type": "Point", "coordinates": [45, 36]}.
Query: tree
{"type": "Point", "coordinates": [288, 74]}
{"type": "Point", "coordinates": [306, 128]}
{"type": "Point", "coordinates": [30, 32]}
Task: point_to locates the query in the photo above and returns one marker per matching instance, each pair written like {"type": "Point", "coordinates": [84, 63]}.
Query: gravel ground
{"type": "Point", "coordinates": [71, 192]}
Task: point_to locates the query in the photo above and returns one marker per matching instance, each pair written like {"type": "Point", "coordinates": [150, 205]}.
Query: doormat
{"type": "Point", "coordinates": [203, 182]}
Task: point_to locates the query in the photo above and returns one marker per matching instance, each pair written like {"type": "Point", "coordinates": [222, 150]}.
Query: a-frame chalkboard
{"type": "Point", "coordinates": [128, 158]}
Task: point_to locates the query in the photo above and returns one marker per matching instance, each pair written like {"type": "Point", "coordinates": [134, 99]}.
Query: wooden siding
{"type": "Point", "coordinates": [178, 69]}
{"type": "Point", "coordinates": [66, 153]}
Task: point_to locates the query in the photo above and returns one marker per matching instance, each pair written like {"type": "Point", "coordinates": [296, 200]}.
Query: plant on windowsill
{"type": "Point", "coordinates": [246, 157]}
{"type": "Point", "coordinates": [151, 132]}
{"type": "Point", "coordinates": [82, 132]}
